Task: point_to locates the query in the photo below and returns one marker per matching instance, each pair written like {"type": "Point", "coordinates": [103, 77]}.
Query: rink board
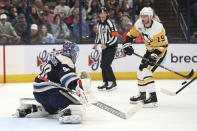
{"type": "Point", "coordinates": [24, 62]}
{"type": "Point", "coordinates": [1, 64]}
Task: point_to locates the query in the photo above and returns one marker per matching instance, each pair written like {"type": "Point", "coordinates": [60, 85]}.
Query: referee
{"type": "Point", "coordinates": [107, 36]}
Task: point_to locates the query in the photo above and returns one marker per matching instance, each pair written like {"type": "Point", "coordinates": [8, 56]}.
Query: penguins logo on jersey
{"type": "Point", "coordinates": [147, 38]}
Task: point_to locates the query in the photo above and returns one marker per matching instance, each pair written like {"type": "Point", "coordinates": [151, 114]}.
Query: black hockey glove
{"type": "Point", "coordinates": [152, 59]}
{"type": "Point", "coordinates": [128, 49]}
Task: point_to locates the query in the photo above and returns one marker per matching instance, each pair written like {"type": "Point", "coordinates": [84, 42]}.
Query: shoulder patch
{"type": "Point", "coordinates": [65, 60]}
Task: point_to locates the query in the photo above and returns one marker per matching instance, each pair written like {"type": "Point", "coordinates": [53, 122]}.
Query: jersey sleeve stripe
{"type": "Point", "coordinates": [44, 86]}
{"type": "Point", "coordinates": [113, 41]}
{"type": "Point", "coordinates": [67, 80]}
{"type": "Point", "coordinates": [64, 76]}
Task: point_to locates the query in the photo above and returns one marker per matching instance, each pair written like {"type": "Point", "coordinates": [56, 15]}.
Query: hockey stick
{"type": "Point", "coordinates": [185, 76]}
{"type": "Point", "coordinates": [170, 93]}
{"type": "Point", "coordinates": [108, 108]}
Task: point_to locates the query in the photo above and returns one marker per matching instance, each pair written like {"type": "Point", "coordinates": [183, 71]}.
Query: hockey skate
{"type": "Point", "coordinates": [151, 102]}
{"type": "Point", "coordinates": [111, 86]}
{"type": "Point", "coordinates": [103, 87]}
{"type": "Point", "coordinates": [139, 98]}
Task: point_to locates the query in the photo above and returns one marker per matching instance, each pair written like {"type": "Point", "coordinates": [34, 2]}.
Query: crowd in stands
{"type": "Point", "coordinates": [53, 21]}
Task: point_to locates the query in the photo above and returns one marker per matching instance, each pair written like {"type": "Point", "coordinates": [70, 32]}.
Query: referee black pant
{"type": "Point", "coordinates": [106, 61]}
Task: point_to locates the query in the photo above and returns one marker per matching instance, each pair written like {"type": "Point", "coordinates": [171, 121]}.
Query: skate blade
{"type": "Point", "coordinates": [136, 102]}
{"type": "Point", "coordinates": [112, 89]}
{"type": "Point", "coordinates": [104, 89]}
{"type": "Point", "coordinates": [151, 105]}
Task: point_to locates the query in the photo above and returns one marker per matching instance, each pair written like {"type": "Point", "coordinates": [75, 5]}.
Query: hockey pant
{"type": "Point", "coordinates": [145, 73]}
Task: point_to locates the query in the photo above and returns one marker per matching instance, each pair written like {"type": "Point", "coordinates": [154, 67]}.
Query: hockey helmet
{"type": "Point", "coordinates": [147, 11]}
{"type": "Point", "coordinates": [71, 50]}
{"type": "Point", "coordinates": [103, 10]}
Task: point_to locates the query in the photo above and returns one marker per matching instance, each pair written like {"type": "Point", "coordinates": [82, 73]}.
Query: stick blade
{"type": "Point", "coordinates": [190, 74]}
{"type": "Point", "coordinates": [133, 110]}
{"type": "Point", "coordinates": [167, 92]}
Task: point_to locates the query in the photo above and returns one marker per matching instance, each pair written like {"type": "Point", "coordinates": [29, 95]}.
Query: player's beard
{"type": "Point", "coordinates": [145, 22]}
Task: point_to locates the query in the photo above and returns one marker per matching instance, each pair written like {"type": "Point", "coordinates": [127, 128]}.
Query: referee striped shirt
{"type": "Point", "coordinates": [107, 33]}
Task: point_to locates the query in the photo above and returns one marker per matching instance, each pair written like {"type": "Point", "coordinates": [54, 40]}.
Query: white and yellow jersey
{"type": "Point", "coordinates": [154, 36]}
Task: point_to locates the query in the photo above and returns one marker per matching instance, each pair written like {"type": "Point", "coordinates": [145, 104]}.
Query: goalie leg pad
{"type": "Point", "coordinates": [29, 108]}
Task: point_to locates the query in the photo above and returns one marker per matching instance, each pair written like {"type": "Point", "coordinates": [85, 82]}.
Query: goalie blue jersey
{"type": "Point", "coordinates": [59, 72]}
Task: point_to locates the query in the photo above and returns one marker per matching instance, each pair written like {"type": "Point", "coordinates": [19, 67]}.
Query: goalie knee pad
{"type": "Point", "coordinates": [72, 114]}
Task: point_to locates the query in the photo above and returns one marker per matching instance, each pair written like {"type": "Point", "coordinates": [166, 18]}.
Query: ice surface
{"type": "Point", "coordinates": [175, 113]}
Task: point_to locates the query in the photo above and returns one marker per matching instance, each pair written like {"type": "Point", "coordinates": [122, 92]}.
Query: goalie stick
{"type": "Point", "coordinates": [185, 76]}
{"type": "Point", "coordinates": [108, 108]}
{"type": "Point", "coordinates": [170, 93]}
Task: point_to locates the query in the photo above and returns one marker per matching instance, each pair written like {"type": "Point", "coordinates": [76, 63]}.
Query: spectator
{"type": "Point", "coordinates": [85, 28]}
{"type": "Point", "coordinates": [6, 7]}
{"type": "Point", "coordinates": [125, 7]}
{"type": "Point", "coordinates": [125, 15]}
{"type": "Point", "coordinates": [43, 21]}
{"type": "Point", "coordinates": [93, 11]}
{"type": "Point", "coordinates": [70, 3]}
{"type": "Point", "coordinates": [34, 35]}
{"type": "Point", "coordinates": [21, 25]}
{"type": "Point", "coordinates": [93, 33]}
{"type": "Point", "coordinates": [45, 36]}
{"type": "Point", "coordinates": [38, 5]}
{"type": "Point", "coordinates": [128, 27]}
{"type": "Point", "coordinates": [10, 11]}
{"type": "Point", "coordinates": [47, 14]}
{"type": "Point", "coordinates": [62, 9]}
{"type": "Point", "coordinates": [115, 19]}
{"type": "Point", "coordinates": [59, 29]}
{"type": "Point", "coordinates": [138, 7]}
{"type": "Point", "coordinates": [125, 19]}
{"type": "Point", "coordinates": [34, 16]}
{"type": "Point", "coordinates": [112, 15]}
{"type": "Point", "coordinates": [115, 5]}
{"type": "Point", "coordinates": [12, 15]}
{"type": "Point", "coordinates": [22, 7]}
{"type": "Point", "coordinates": [76, 7]}
{"type": "Point", "coordinates": [75, 13]}
{"type": "Point", "coordinates": [147, 3]}
{"type": "Point", "coordinates": [7, 32]}
{"type": "Point", "coordinates": [108, 4]}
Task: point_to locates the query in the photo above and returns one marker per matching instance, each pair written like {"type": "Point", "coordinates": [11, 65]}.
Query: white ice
{"type": "Point", "coordinates": [175, 113]}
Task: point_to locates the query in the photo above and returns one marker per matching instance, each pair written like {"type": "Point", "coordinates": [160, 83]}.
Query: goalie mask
{"type": "Point", "coordinates": [71, 50]}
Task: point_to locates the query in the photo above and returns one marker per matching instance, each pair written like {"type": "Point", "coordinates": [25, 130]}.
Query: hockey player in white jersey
{"type": "Point", "coordinates": [53, 87]}
{"type": "Point", "coordinates": [156, 42]}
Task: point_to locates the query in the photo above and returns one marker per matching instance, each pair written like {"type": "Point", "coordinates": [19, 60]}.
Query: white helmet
{"type": "Point", "coordinates": [147, 11]}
